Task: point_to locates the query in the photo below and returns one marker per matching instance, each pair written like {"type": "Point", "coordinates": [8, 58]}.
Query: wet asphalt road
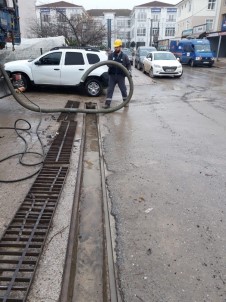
{"type": "Point", "coordinates": [167, 181]}
{"type": "Point", "coordinates": [165, 157]}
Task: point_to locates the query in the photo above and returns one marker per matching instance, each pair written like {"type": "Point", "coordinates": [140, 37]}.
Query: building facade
{"type": "Point", "coordinates": [57, 11]}
{"type": "Point", "coordinates": [203, 18]}
{"type": "Point", "coordinates": [145, 24]}
{"type": "Point", "coordinates": [117, 23]}
{"type": "Point", "coordinates": [153, 21]}
{"type": "Point", "coordinates": [196, 17]}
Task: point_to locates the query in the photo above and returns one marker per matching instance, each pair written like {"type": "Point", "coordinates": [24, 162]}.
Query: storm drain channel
{"type": "Point", "coordinates": [89, 273]}
{"type": "Point", "coordinates": [23, 240]}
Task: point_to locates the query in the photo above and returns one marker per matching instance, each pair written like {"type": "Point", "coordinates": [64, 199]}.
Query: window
{"type": "Point", "coordinates": [142, 16]}
{"type": "Point", "coordinates": [211, 4]}
{"type": "Point", "coordinates": [45, 17]}
{"type": "Point", "coordinates": [61, 18]}
{"type": "Point", "coordinates": [209, 25]}
{"type": "Point", "coordinates": [3, 3]}
{"type": "Point", "coordinates": [74, 58]}
{"type": "Point", "coordinates": [155, 31]}
{"type": "Point", "coordinates": [155, 17]}
{"type": "Point", "coordinates": [51, 59]}
{"type": "Point", "coordinates": [170, 31]}
{"type": "Point", "coordinates": [188, 48]}
{"type": "Point", "coordinates": [141, 32]}
{"type": "Point", "coordinates": [120, 23]}
{"type": "Point", "coordinates": [93, 58]}
{"type": "Point", "coordinates": [189, 6]}
{"type": "Point", "coordinates": [171, 18]}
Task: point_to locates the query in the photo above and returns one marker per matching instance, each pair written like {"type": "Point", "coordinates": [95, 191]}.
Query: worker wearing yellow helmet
{"type": "Point", "coordinates": [116, 75]}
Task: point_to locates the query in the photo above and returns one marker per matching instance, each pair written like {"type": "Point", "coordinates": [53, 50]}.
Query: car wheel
{"type": "Point", "coordinates": [25, 81]}
{"type": "Point", "coordinates": [93, 87]}
{"type": "Point", "coordinates": [151, 73]}
{"type": "Point", "coordinates": [179, 76]}
{"type": "Point", "coordinates": [192, 63]}
{"type": "Point", "coordinates": [143, 69]}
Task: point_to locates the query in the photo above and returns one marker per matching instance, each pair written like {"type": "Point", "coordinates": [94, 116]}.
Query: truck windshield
{"type": "Point", "coordinates": [203, 48]}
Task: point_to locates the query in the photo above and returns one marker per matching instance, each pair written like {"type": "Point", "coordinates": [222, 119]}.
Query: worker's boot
{"type": "Point", "coordinates": [106, 105]}
{"type": "Point", "coordinates": [127, 105]}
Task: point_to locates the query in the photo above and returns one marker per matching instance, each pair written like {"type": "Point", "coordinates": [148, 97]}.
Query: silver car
{"type": "Point", "coordinates": [162, 63]}
{"type": "Point", "coordinates": [128, 52]}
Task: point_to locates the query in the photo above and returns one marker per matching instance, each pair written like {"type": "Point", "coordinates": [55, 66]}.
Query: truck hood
{"type": "Point", "coordinates": [204, 54]}
{"type": "Point", "coordinates": [17, 63]}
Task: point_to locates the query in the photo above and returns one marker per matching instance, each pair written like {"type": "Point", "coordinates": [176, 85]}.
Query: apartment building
{"type": "Point", "coordinates": [49, 12]}
{"type": "Point", "coordinates": [203, 18]}
{"type": "Point", "coordinates": [196, 17]}
{"type": "Point", "coordinates": [117, 23]}
{"type": "Point", "coordinates": [153, 21]}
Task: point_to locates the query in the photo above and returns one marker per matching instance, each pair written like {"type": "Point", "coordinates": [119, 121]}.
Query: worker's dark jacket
{"type": "Point", "coordinates": [121, 58]}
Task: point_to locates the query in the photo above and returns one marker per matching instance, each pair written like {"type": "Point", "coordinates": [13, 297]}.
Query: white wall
{"type": "Point", "coordinates": [27, 15]}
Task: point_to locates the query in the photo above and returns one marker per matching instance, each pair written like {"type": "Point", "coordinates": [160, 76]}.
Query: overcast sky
{"type": "Point", "coordinates": [112, 4]}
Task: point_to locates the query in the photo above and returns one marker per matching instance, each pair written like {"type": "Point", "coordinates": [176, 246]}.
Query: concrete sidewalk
{"type": "Point", "coordinates": [220, 63]}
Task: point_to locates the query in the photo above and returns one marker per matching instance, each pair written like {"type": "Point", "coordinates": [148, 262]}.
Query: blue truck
{"type": "Point", "coordinates": [195, 52]}
{"type": "Point", "coordinates": [9, 23]}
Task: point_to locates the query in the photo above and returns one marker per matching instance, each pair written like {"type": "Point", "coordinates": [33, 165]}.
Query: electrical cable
{"type": "Point", "coordinates": [25, 151]}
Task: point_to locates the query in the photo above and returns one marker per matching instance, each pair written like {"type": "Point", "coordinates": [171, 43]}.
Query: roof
{"type": "Point", "coordinates": [155, 4]}
{"type": "Point", "coordinates": [59, 4]}
{"type": "Point", "coordinates": [101, 12]}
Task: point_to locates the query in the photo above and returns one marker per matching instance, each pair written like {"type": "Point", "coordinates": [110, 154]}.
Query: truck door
{"type": "Point", "coordinates": [188, 53]}
{"type": "Point", "coordinates": [47, 70]}
{"type": "Point", "coordinates": [73, 67]}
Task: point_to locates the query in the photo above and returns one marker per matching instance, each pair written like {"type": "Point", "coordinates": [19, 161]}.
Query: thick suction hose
{"type": "Point", "coordinates": [73, 110]}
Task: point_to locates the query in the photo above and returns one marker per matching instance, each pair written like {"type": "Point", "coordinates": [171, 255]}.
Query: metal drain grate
{"type": "Point", "coordinates": [60, 150]}
{"type": "Point", "coordinates": [23, 240]}
{"type": "Point", "coordinates": [69, 116]}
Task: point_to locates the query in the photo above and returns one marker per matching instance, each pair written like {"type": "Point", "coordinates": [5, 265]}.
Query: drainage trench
{"type": "Point", "coordinates": [24, 238]}
{"type": "Point", "coordinates": [89, 273]}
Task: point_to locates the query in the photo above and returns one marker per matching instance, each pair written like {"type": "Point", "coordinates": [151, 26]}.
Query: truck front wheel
{"type": "Point", "coordinates": [93, 87]}
{"type": "Point", "coordinates": [25, 81]}
{"type": "Point", "coordinates": [192, 63]}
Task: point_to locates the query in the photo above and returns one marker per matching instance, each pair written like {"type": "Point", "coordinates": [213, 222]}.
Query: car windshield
{"type": "Point", "coordinates": [164, 56]}
{"type": "Point", "coordinates": [127, 52]}
{"type": "Point", "coordinates": [203, 48]}
{"type": "Point", "coordinates": [144, 52]}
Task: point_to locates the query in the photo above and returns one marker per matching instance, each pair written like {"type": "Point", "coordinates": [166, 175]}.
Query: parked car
{"type": "Point", "coordinates": [63, 66]}
{"type": "Point", "coordinates": [141, 53]}
{"type": "Point", "coordinates": [162, 63]}
{"type": "Point", "coordinates": [128, 52]}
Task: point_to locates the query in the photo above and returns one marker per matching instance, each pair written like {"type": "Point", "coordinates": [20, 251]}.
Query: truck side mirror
{"type": "Point", "coordinates": [38, 63]}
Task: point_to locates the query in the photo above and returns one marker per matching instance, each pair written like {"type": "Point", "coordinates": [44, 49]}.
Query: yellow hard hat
{"type": "Point", "coordinates": [118, 43]}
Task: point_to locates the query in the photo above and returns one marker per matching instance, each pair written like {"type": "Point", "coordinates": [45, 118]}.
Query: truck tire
{"type": "Point", "coordinates": [26, 81]}
{"type": "Point", "coordinates": [93, 87]}
{"type": "Point", "coordinates": [192, 63]}
{"type": "Point", "coordinates": [151, 73]}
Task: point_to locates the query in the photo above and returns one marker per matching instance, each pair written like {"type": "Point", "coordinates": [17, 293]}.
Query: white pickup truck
{"type": "Point", "coordinates": [63, 66]}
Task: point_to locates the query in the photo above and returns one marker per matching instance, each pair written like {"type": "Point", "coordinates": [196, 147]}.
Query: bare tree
{"type": "Point", "coordinates": [79, 30]}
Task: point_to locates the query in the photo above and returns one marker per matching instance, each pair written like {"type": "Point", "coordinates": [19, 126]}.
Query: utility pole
{"type": "Point", "coordinates": [150, 43]}
{"type": "Point", "coordinates": [109, 32]}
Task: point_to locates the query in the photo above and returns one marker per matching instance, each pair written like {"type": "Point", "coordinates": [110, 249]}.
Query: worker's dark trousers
{"type": "Point", "coordinates": [113, 80]}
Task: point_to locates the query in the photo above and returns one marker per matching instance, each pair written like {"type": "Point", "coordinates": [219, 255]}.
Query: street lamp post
{"type": "Point", "coordinates": [150, 42]}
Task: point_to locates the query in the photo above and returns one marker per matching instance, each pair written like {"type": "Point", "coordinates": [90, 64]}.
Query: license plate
{"type": "Point", "coordinates": [169, 70]}
{"type": "Point", "coordinates": [205, 62]}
